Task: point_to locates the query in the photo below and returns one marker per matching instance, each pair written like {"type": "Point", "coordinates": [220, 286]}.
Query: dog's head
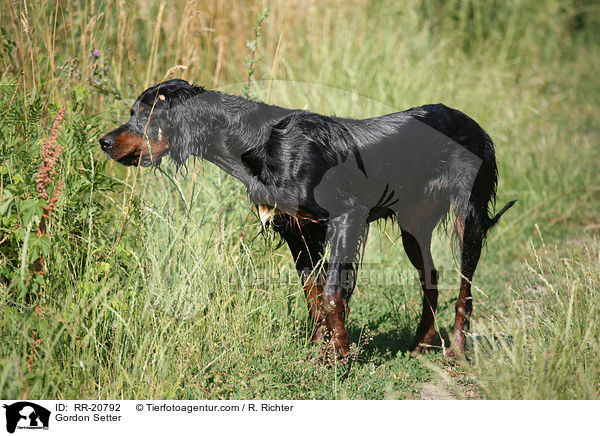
{"type": "Point", "coordinates": [150, 133]}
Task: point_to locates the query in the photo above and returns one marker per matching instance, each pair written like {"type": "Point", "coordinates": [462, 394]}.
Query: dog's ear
{"type": "Point", "coordinates": [178, 135]}
{"type": "Point", "coordinates": [184, 125]}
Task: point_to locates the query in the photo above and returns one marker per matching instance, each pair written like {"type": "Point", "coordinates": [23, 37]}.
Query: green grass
{"type": "Point", "coordinates": [543, 345]}
{"type": "Point", "coordinates": [161, 286]}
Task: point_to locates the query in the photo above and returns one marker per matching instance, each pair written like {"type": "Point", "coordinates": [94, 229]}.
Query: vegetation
{"type": "Point", "coordinates": [125, 283]}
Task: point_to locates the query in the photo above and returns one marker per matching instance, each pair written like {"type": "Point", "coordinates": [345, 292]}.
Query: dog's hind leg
{"type": "Point", "coordinates": [346, 235]}
{"type": "Point", "coordinates": [419, 254]}
{"type": "Point", "coordinates": [417, 223]}
{"type": "Point", "coordinates": [306, 241]}
{"type": "Point", "coordinates": [472, 241]}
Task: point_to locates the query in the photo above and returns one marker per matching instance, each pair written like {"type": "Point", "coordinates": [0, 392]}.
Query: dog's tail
{"type": "Point", "coordinates": [492, 221]}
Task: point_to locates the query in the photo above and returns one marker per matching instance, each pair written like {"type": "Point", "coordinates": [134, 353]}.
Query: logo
{"type": "Point", "coordinates": [26, 415]}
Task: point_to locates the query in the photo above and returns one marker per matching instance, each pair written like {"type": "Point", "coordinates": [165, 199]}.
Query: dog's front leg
{"type": "Point", "coordinates": [340, 284]}
{"type": "Point", "coordinates": [346, 234]}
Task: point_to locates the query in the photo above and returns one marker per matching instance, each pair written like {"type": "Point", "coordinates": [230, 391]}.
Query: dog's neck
{"type": "Point", "coordinates": [230, 126]}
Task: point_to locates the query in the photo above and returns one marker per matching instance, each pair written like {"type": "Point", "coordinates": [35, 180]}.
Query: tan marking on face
{"type": "Point", "coordinates": [157, 148]}
{"type": "Point", "coordinates": [127, 143]}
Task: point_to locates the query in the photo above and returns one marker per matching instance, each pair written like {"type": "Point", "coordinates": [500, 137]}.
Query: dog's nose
{"type": "Point", "coordinates": [106, 142]}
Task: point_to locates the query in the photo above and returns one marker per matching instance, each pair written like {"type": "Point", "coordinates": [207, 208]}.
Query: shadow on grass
{"type": "Point", "coordinates": [386, 345]}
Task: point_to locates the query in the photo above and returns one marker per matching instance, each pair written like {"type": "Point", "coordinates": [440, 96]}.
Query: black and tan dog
{"type": "Point", "coordinates": [319, 181]}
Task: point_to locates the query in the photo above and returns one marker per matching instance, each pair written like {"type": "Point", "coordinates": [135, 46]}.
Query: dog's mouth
{"type": "Point", "coordinates": [134, 160]}
{"type": "Point", "coordinates": [128, 159]}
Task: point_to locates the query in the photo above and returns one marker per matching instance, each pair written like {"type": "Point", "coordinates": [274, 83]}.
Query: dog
{"type": "Point", "coordinates": [319, 181]}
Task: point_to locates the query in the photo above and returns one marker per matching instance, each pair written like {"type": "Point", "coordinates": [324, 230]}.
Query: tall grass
{"type": "Point", "coordinates": [543, 345]}
{"type": "Point", "coordinates": [150, 285]}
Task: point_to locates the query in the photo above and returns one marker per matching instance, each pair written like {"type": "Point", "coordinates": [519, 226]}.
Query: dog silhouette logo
{"type": "Point", "coordinates": [26, 415]}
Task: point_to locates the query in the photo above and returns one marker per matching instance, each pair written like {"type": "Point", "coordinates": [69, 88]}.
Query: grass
{"type": "Point", "coordinates": [547, 332]}
{"type": "Point", "coordinates": [160, 285]}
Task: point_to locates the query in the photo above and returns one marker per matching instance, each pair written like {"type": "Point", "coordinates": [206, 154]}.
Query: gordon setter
{"type": "Point", "coordinates": [319, 181]}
